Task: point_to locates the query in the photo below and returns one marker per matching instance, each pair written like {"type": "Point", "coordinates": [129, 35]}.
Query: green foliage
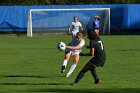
{"type": "Point", "coordinates": [33, 65]}
{"type": "Point", "coordinates": [61, 2]}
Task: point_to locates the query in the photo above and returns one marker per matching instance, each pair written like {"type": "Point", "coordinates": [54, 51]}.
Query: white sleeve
{"type": "Point", "coordinates": [82, 43]}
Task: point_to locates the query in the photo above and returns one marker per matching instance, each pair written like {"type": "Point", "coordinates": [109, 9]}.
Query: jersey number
{"type": "Point", "coordinates": [101, 44]}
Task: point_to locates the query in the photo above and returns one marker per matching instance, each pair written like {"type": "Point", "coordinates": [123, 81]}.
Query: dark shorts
{"type": "Point", "coordinates": [96, 28]}
{"type": "Point", "coordinates": [97, 62]}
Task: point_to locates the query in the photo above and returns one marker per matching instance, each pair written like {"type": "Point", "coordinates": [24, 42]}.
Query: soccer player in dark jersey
{"type": "Point", "coordinates": [96, 28]}
{"type": "Point", "coordinates": [98, 60]}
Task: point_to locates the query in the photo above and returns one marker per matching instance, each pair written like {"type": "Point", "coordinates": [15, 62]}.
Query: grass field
{"type": "Point", "coordinates": [33, 65]}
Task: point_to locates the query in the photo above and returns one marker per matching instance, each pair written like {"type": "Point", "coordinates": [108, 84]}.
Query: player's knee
{"type": "Point", "coordinates": [75, 62]}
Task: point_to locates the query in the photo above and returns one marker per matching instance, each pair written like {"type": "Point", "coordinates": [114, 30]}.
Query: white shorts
{"type": "Point", "coordinates": [74, 33]}
{"type": "Point", "coordinates": [73, 52]}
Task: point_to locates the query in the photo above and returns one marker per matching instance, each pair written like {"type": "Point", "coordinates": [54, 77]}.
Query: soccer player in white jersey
{"type": "Point", "coordinates": [74, 48]}
{"type": "Point", "coordinates": [74, 27]}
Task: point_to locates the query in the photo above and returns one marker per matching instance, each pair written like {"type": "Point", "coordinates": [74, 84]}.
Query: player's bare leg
{"type": "Point", "coordinates": [73, 66]}
{"type": "Point", "coordinates": [65, 61]}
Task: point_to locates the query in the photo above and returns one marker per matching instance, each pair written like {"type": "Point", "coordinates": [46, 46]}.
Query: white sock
{"type": "Point", "coordinates": [64, 63]}
{"type": "Point", "coordinates": [71, 69]}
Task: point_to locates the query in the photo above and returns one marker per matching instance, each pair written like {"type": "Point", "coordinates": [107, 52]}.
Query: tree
{"type": "Point", "coordinates": [62, 2]}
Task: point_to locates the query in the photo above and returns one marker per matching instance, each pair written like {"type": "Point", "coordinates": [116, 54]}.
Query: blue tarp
{"type": "Point", "coordinates": [123, 16]}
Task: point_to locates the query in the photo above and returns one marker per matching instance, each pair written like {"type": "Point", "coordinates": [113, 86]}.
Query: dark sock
{"type": "Point", "coordinates": [94, 74]}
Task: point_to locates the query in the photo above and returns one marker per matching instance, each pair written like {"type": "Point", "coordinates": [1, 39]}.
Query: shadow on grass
{"type": "Point", "coordinates": [34, 84]}
{"type": "Point", "coordinates": [56, 90]}
{"type": "Point", "coordinates": [25, 76]}
{"type": "Point", "coordinates": [29, 76]}
{"type": "Point", "coordinates": [131, 90]}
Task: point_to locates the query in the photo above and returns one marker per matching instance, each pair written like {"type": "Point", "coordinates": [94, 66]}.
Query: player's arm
{"type": "Point", "coordinates": [80, 45]}
{"type": "Point", "coordinates": [69, 29]}
{"type": "Point", "coordinates": [81, 27]}
{"type": "Point", "coordinates": [92, 51]}
{"type": "Point", "coordinates": [99, 18]}
{"type": "Point", "coordinates": [73, 47]}
{"type": "Point", "coordinates": [93, 25]}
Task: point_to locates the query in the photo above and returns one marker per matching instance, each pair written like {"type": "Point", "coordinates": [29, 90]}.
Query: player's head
{"type": "Point", "coordinates": [97, 17]}
{"type": "Point", "coordinates": [93, 35]}
{"type": "Point", "coordinates": [80, 35]}
{"type": "Point", "coordinates": [75, 18]}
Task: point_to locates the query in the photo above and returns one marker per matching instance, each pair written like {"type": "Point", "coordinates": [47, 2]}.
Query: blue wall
{"type": "Point", "coordinates": [123, 16]}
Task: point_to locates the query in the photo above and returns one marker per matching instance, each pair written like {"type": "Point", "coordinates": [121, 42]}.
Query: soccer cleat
{"type": "Point", "coordinates": [97, 81]}
{"type": "Point", "coordinates": [63, 69]}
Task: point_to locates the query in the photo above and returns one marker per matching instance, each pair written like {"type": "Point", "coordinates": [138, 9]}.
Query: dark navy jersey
{"type": "Point", "coordinates": [99, 51]}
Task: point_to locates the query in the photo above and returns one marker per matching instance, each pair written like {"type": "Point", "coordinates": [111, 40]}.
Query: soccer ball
{"type": "Point", "coordinates": [61, 46]}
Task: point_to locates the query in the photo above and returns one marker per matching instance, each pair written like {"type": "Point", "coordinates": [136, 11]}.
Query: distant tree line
{"type": "Point", "coordinates": [65, 2]}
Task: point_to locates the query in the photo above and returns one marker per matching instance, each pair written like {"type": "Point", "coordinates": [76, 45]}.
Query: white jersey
{"type": "Point", "coordinates": [75, 26]}
{"type": "Point", "coordinates": [75, 42]}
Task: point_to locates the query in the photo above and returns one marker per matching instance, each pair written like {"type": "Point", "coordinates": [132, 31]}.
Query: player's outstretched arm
{"type": "Point", "coordinates": [73, 47]}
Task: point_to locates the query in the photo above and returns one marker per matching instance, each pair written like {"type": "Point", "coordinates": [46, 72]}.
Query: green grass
{"type": "Point", "coordinates": [33, 65]}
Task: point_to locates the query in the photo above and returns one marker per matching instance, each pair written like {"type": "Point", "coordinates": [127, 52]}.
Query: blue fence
{"type": "Point", "coordinates": [123, 16]}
